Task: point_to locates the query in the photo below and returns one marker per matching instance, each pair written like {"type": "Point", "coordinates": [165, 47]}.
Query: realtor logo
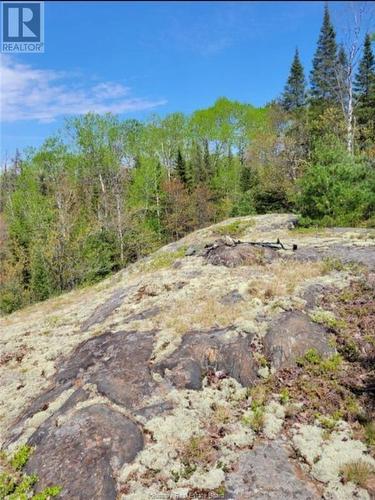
{"type": "Point", "coordinates": [22, 27]}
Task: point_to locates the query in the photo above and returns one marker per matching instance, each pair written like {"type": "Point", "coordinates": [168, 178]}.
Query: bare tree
{"type": "Point", "coordinates": [357, 20]}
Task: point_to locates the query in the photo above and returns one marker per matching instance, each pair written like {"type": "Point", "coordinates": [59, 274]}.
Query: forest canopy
{"type": "Point", "coordinates": [104, 192]}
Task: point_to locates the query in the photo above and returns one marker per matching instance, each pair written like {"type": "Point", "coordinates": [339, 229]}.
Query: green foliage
{"type": "Point", "coordinates": [327, 318]}
{"type": "Point", "coordinates": [323, 76]}
{"type": "Point", "coordinates": [364, 86]}
{"type": "Point", "coordinates": [358, 472]}
{"type": "Point", "coordinates": [164, 259]}
{"type": "Point", "coordinates": [284, 396]}
{"type": "Point", "coordinates": [370, 433]}
{"type": "Point", "coordinates": [16, 485]}
{"type": "Point", "coordinates": [256, 418]}
{"type": "Point", "coordinates": [78, 210]}
{"type": "Point", "coordinates": [314, 361]}
{"type": "Point", "coordinates": [331, 264]}
{"type": "Point", "coordinates": [294, 95]}
{"type": "Point", "coordinates": [20, 457]}
{"type": "Point", "coordinates": [235, 228]}
{"type": "Point", "coordinates": [336, 189]}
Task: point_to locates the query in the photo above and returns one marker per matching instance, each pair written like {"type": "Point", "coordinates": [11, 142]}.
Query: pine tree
{"type": "Point", "coordinates": [364, 85]}
{"type": "Point", "coordinates": [294, 93]}
{"type": "Point", "coordinates": [323, 76]}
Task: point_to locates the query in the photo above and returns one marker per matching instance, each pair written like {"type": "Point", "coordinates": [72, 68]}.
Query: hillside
{"type": "Point", "coordinates": [211, 368]}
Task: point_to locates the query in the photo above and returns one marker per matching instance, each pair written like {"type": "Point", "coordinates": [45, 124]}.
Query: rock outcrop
{"type": "Point", "coordinates": [157, 380]}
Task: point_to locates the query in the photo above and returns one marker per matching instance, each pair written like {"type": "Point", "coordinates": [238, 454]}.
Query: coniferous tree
{"type": "Point", "coordinates": [196, 163]}
{"type": "Point", "coordinates": [294, 93]}
{"type": "Point", "coordinates": [205, 172]}
{"type": "Point", "coordinates": [181, 167]}
{"type": "Point", "coordinates": [342, 76]}
{"type": "Point", "coordinates": [323, 75]}
{"type": "Point", "coordinates": [364, 85]}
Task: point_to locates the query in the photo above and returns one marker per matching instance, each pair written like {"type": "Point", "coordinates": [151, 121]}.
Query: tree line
{"type": "Point", "coordinates": [104, 192]}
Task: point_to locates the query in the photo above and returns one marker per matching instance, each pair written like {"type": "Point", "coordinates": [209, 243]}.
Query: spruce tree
{"type": "Point", "coordinates": [181, 167]}
{"type": "Point", "coordinates": [364, 85]}
{"type": "Point", "coordinates": [294, 93]}
{"type": "Point", "coordinates": [323, 76]}
{"type": "Point", "coordinates": [205, 172]}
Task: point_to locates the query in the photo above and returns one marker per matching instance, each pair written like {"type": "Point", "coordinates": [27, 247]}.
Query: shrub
{"type": "Point", "coordinates": [336, 189]}
{"type": "Point", "coordinates": [14, 484]}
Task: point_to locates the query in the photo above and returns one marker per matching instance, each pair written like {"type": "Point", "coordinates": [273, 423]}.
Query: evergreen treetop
{"type": "Point", "coordinates": [294, 95]}
{"type": "Point", "coordinates": [365, 78]}
{"type": "Point", "coordinates": [323, 75]}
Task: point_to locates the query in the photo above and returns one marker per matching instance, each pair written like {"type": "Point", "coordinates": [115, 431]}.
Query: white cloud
{"type": "Point", "coordinates": [43, 95]}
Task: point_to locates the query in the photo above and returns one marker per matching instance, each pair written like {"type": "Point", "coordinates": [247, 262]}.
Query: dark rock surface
{"type": "Point", "coordinates": [290, 335]}
{"type": "Point", "coordinates": [116, 362]}
{"type": "Point", "coordinates": [151, 312]}
{"type": "Point", "coordinates": [103, 311]}
{"type": "Point", "coordinates": [265, 473]}
{"type": "Point", "coordinates": [83, 454]}
{"type": "Point", "coordinates": [232, 297]}
{"type": "Point", "coordinates": [225, 252]}
{"type": "Point", "coordinates": [83, 437]}
{"type": "Point", "coordinates": [200, 352]}
{"type": "Point", "coordinates": [345, 253]}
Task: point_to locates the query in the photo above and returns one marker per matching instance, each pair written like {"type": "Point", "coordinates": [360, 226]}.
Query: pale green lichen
{"type": "Point", "coordinates": [180, 454]}
{"type": "Point", "coordinates": [336, 490]}
{"type": "Point", "coordinates": [205, 480]}
{"type": "Point", "coordinates": [242, 438]}
{"type": "Point", "coordinates": [264, 372]}
{"type": "Point", "coordinates": [326, 318]}
{"type": "Point", "coordinates": [274, 416]}
{"type": "Point", "coordinates": [326, 457]}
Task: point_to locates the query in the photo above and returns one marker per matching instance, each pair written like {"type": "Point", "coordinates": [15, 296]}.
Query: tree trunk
{"type": "Point", "coordinates": [119, 228]}
{"type": "Point", "coordinates": [350, 135]}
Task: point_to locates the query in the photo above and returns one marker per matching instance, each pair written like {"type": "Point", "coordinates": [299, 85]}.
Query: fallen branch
{"type": "Point", "coordinates": [266, 244]}
{"type": "Point", "coordinates": [230, 242]}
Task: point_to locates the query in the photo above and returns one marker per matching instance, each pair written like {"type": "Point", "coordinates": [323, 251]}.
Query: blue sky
{"type": "Point", "coordinates": [137, 58]}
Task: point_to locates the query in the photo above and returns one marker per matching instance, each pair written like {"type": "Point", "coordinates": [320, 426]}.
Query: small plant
{"type": "Point", "coordinates": [221, 465]}
{"type": "Point", "coordinates": [14, 484]}
{"type": "Point", "coordinates": [164, 260]}
{"type": "Point", "coordinates": [197, 451]}
{"type": "Point", "coordinates": [255, 418]}
{"type": "Point", "coordinates": [221, 491]}
{"type": "Point", "coordinates": [236, 228]}
{"type": "Point", "coordinates": [359, 472]}
{"type": "Point", "coordinates": [370, 339]}
{"type": "Point", "coordinates": [175, 475]}
{"type": "Point", "coordinates": [331, 264]}
{"type": "Point", "coordinates": [328, 423]}
{"type": "Point", "coordinates": [20, 457]}
{"type": "Point", "coordinates": [311, 357]}
{"type": "Point", "coordinates": [351, 406]}
{"type": "Point", "coordinates": [349, 349]}
{"type": "Point", "coordinates": [370, 433]}
{"type": "Point", "coordinates": [221, 414]}
{"type": "Point", "coordinates": [331, 364]}
{"type": "Point", "coordinates": [260, 359]}
{"type": "Point", "coordinates": [259, 394]}
{"type": "Point", "coordinates": [284, 396]}
{"type": "Point", "coordinates": [313, 360]}
{"type": "Point", "coordinates": [328, 319]}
